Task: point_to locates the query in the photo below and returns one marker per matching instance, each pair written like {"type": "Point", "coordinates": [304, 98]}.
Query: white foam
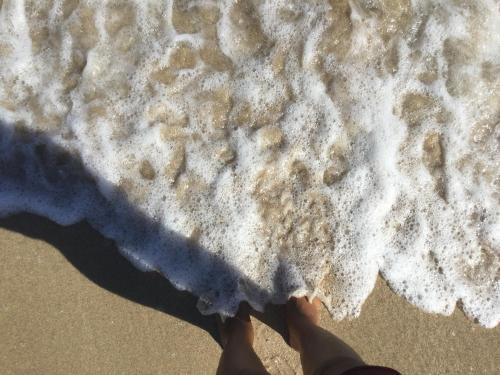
{"type": "Point", "coordinates": [218, 127]}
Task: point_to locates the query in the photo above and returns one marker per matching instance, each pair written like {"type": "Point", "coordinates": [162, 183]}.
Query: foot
{"type": "Point", "coordinates": [301, 315]}
{"type": "Point", "coordinates": [237, 329]}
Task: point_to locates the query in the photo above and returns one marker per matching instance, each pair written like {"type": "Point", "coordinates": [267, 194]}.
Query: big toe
{"type": "Point", "coordinates": [301, 310]}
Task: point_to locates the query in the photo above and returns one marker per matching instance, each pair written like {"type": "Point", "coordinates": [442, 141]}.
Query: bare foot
{"type": "Point", "coordinates": [300, 316]}
{"type": "Point", "coordinates": [238, 356]}
{"type": "Point", "coordinates": [239, 328]}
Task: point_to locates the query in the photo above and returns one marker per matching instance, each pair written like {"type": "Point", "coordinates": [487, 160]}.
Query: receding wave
{"type": "Point", "coordinates": [251, 150]}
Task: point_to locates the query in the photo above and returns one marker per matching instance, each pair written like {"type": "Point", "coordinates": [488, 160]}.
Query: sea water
{"type": "Point", "coordinates": [258, 149]}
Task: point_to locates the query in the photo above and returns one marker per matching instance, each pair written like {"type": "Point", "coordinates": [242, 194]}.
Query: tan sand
{"type": "Point", "coordinates": [67, 309]}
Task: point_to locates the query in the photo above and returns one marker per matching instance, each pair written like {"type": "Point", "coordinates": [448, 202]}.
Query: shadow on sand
{"type": "Point", "coordinates": [99, 260]}
{"type": "Point", "coordinates": [36, 175]}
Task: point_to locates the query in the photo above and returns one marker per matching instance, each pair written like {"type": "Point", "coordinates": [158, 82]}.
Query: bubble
{"type": "Point", "coordinates": [314, 143]}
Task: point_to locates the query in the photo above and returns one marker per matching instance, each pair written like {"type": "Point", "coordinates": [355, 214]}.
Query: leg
{"type": "Point", "coordinates": [320, 351]}
{"type": "Point", "coordinates": [238, 357]}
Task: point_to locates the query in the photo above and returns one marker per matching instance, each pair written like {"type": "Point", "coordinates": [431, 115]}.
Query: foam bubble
{"type": "Point", "coordinates": [256, 150]}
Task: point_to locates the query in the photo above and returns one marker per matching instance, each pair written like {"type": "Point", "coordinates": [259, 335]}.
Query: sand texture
{"type": "Point", "coordinates": [71, 304]}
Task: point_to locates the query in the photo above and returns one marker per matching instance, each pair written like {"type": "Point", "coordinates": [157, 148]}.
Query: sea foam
{"type": "Point", "coordinates": [254, 150]}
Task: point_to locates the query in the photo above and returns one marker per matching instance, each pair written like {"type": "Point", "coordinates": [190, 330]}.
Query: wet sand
{"type": "Point", "coordinates": [71, 304]}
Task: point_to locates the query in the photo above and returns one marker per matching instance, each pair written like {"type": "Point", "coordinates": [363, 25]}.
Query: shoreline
{"type": "Point", "coordinates": [56, 320]}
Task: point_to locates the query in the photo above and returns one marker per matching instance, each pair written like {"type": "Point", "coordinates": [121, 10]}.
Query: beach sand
{"type": "Point", "coordinates": [70, 304]}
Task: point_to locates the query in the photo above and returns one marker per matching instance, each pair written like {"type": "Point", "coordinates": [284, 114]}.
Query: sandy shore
{"type": "Point", "coordinates": [70, 304]}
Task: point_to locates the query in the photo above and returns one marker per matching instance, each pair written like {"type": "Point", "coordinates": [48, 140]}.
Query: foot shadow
{"type": "Point", "coordinates": [274, 316]}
